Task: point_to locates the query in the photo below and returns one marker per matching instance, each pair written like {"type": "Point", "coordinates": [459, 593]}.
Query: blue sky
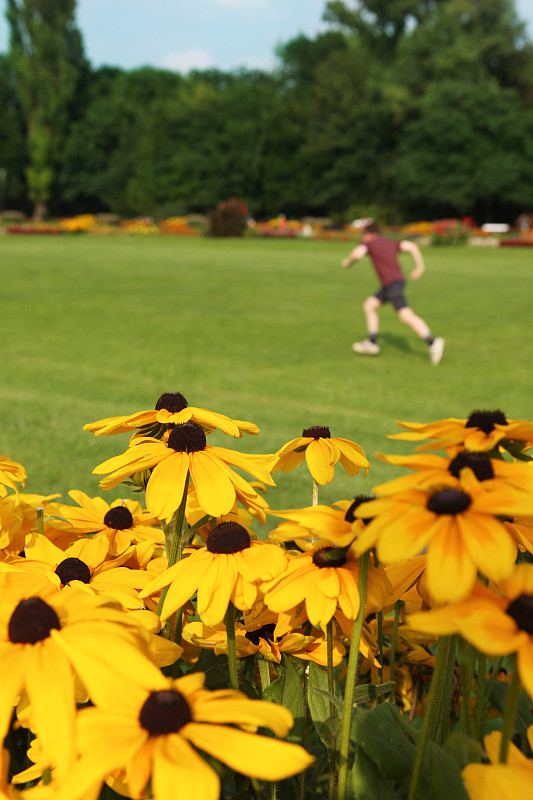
{"type": "Point", "coordinates": [185, 34]}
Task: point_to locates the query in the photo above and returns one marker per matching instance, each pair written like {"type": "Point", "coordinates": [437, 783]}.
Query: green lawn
{"type": "Point", "coordinates": [257, 329]}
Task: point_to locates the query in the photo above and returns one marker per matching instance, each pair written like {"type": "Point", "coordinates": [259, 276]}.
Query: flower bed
{"type": "Point", "coordinates": [145, 648]}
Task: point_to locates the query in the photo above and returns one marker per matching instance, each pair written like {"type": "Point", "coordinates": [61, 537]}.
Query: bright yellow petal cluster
{"type": "Point", "coordinates": [321, 452]}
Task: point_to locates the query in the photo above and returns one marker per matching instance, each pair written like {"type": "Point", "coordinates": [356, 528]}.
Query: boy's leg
{"type": "Point", "coordinates": [370, 346]}
{"type": "Point", "coordinates": [417, 324]}
{"type": "Point", "coordinates": [413, 321]}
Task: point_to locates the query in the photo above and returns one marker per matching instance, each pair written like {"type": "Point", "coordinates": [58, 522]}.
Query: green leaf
{"type": "Point", "coordinates": [464, 749]}
{"type": "Point", "coordinates": [366, 782]}
{"type": "Point", "coordinates": [524, 717]}
{"type": "Point", "coordinates": [318, 701]}
{"type": "Point", "coordinates": [370, 691]}
{"type": "Point", "coordinates": [445, 776]}
{"type": "Point", "coordinates": [287, 690]}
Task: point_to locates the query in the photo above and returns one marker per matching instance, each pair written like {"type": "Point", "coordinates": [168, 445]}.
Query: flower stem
{"type": "Point", "coordinates": [351, 673]}
{"type": "Point", "coordinates": [332, 755]}
{"type": "Point", "coordinates": [380, 645]}
{"type": "Point", "coordinates": [433, 708]}
{"type": "Point", "coordinates": [315, 493]}
{"type": "Point", "coordinates": [509, 714]}
{"type": "Point", "coordinates": [264, 673]}
{"type": "Point", "coordinates": [174, 544]}
{"type": "Point", "coordinates": [232, 648]}
{"type": "Point", "coordinates": [392, 656]}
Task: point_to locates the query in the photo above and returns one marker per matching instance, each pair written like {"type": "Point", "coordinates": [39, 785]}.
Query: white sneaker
{"type": "Point", "coordinates": [367, 347]}
{"type": "Point", "coordinates": [436, 350]}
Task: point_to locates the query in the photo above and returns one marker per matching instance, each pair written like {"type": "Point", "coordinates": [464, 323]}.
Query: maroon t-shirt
{"type": "Point", "coordinates": [384, 256]}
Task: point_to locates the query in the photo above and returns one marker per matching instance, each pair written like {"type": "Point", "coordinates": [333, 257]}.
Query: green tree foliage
{"type": "Point", "coordinates": [12, 139]}
{"type": "Point", "coordinates": [47, 57]}
{"type": "Point", "coordinates": [415, 108]}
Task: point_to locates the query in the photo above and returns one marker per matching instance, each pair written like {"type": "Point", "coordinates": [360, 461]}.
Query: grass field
{"type": "Point", "coordinates": [258, 329]}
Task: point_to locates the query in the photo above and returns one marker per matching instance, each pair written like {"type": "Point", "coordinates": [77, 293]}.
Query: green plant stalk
{"type": "Point", "coordinates": [264, 672]}
{"type": "Point", "coordinates": [40, 520]}
{"type": "Point", "coordinates": [174, 549]}
{"type": "Point", "coordinates": [444, 700]}
{"type": "Point", "coordinates": [380, 645]}
{"type": "Point", "coordinates": [332, 754]}
{"type": "Point", "coordinates": [392, 657]}
{"type": "Point", "coordinates": [314, 499]}
{"type": "Point", "coordinates": [353, 660]}
{"type": "Point", "coordinates": [509, 714]}
{"type": "Point", "coordinates": [305, 736]}
{"type": "Point", "coordinates": [232, 647]}
{"type": "Point", "coordinates": [481, 697]}
{"type": "Point", "coordinates": [466, 721]}
{"type": "Point", "coordinates": [431, 717]}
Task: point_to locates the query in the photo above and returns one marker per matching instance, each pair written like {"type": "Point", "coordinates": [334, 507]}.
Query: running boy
{"type": "Point", "coordinates": [384, 256]}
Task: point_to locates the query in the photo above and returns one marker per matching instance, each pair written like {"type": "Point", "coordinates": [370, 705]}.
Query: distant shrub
{"type": "Point", "coordinates": [229, 218]}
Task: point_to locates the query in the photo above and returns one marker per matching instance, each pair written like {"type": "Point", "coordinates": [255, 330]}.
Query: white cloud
{"type": "Point", "coordinates": [184, 61]}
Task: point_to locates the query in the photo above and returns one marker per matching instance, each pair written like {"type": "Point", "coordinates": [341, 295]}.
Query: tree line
{"type": "Point", "coordinates": [401, 108]}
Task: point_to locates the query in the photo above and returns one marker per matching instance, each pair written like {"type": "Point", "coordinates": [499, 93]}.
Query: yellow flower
{"type": "Point", "coordinates": [18, 516]}
{"type": "Point", "coordinates": [321, 452]}
{"type": "Point", "coordinates": [45, 643]}
{"type": "Point", "coordinates": [186, 453]}
{"type": "Point", "coordinates": [497, 781]}
{"type": "Point", "coordinates": [432, 470]}
{"type": "Point", "coordinates": [336, 523]}
{"type": "Point", "coordinates": [123, 521]}
{"type": "Point", "coordinates": [458, 526]}
{"type": "Point", "coordinates": [497, 623]}
{"type": "Point", "coordinates": [325, 579]}
{"type": "Point", "coordinates": [231, 567]}
{"type": "Point", "coordinates": [171, 409]}
{"type": "Point", "coordinates": [259, 636]}
{"type": "Point", "coordinates": [11, 473]}
{"type": "Point", "coordinates": [47, 569]}
{"type": "Point", "coordinates": [153, 733]}
{"type": "Point", "coordinates": [481, 432]}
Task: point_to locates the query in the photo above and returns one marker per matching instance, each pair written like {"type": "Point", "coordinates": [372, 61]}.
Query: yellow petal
{"type": "Point", "coordinates": [258, 756]}
{"type": "Point", "coordinates": [176, 764]}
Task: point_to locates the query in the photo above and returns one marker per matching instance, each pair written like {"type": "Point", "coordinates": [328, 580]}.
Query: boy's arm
{"type": "Point", "coordinates": [413, 249]}
{"type": "Point", "coordinates": [358, 252]}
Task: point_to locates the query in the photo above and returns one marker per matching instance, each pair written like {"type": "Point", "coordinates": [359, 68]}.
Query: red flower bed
{"type": "Point", "coordinates": [29, 229]}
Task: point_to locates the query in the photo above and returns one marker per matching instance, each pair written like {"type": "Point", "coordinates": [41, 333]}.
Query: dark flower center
{"type": "Point", "coordinates": [486, 420]}
{"type": "Point", "coordinates": [350, 514]}
{"type": "Point", "coordinates": [188, 437]}
{"type": "Point", "coordinates": [449, 501]}
{"type": "Point", "coordinates": [479, 463]}
{"type": "Point", "coordinates": [329, 557]}
{"type": "Point", "coordinates": [521, 610]}
{"type": "Point", "coordinates": [228, 537]}
{"type": "Point", "coordinates": [171, 401]}
{"type": "Point", "coordinates": [266, 632]}
{"type": "Point", "coordinates": [166, 711]}
{"type": "Point", "coordinates": [317, 432]}
{"type": "Point", "coordinates": [32, 621]}
{"type": "Point", "coordinates": [118, 518]}
{"type": "Point", "coordinates": [73, 569]}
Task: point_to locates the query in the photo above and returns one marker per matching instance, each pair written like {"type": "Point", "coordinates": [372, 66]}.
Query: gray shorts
{"type": "Point", "coordinates": [393, 293]}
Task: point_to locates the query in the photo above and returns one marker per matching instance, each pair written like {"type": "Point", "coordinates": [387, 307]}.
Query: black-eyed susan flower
{"type": "Point", "coordinates": [231, 567]}
{"type": "Point", "coordinates": [11, 473]}
{"type": "Point", "coordinates": [18, 517]}
{"type": "Point", "coordinates": [321, 451]}
{"type": "Point", "coordinates": [170, 409]}
{"type": "Point", "coordinates": [336, 523]}
{"type": "Point", "coordinates": [431, 470]}
{"type": "Point", "coordinates": [252, 638]}
{"type": "Point", "coordinates": [153, 734]}
{"type": "Point", "coordinates": [495, 781]}
{"type": "Point", "coordinates": [45, 644]}
{"type": "Point", "coordinates": [325, 579]}
{"type": "Point", "coordinates": [498, 623]}
{"type": "Point", "coordinates": [459, 527]}
{"type": "Point", "coordinates": [481, 432]}
{"type": "Point", "coordinates": [47, 569]}
{"type": "Point", "coordinates": [124, 521]}
{"type": "Point", "coordinates": [185, 453]}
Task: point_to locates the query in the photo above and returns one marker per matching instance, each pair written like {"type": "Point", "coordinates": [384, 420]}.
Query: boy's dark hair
{"type": "Point", "coordinates": [372, 227]}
